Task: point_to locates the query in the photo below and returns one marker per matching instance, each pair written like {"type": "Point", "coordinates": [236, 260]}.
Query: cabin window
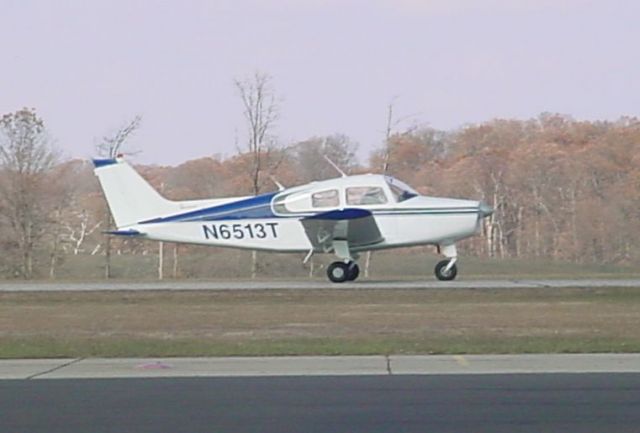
{"type": "Point", "coordinates": [365, 195]}
{"type": "Point", "coordinates": [292, 202]}
{"type": "Point", "coordinates": [279, 206]}
{"type": "Point", "coordinates": [327, 198]}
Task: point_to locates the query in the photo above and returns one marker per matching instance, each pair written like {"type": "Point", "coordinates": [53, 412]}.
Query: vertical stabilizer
{"type": "Point", "coordinates": [131, 199]}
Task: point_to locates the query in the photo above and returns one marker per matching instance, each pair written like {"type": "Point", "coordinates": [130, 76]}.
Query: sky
{"type": "Point", "coordinates": [88, 67]}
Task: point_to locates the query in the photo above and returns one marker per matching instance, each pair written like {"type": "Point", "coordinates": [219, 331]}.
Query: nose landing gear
{"type": "Point", "coordinates": [339, 272]}
{"type": "Point", "coordinates": [446, 270]}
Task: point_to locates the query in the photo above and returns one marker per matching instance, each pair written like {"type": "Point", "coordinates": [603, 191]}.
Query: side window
{"type": "Point", "coordinates": [294, 202]}
{"type": "Point", "coordinates": [364, 195]}
{"type": "Point", "coordinates": [327, 198]}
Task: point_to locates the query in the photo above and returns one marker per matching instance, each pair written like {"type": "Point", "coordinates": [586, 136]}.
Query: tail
{"type": "Point", "coordinates": [131, 199]}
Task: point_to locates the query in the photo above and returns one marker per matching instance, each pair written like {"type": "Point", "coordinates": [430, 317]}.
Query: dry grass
{"type": "Point", "coordinates": [413, 263]}
{"type": "Point", "coordinates": [318, 322]}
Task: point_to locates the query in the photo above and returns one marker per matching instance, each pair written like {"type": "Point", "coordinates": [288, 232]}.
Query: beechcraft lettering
{"type": "Point", "coordinates": [345, 216]}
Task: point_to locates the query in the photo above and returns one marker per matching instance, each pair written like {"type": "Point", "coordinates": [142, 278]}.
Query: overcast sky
{"type": "Point", "coordinates": [89, 66]}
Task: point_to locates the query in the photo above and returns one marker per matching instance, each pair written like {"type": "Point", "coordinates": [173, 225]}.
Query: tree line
{"type": "Point", "coordinates": [562, 189]}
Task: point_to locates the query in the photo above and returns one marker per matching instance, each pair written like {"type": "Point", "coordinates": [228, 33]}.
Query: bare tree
{"type": "Point", "coordinates": [26, 158]}
{"type": "Point", "coordinates": [60, 190]}
{"type": "Point", "coordinates": [110, 146]}
{"type": "Point", "coordinates": [260, 109]}
{"type": "Point", "coordinates": [78, 226]}
{"type": "Point", "coordinates": [389, 131]}
{"type": "Point", "coordinates": [309, 157]}
{"type": "Point", "coordinates": [174, 268]}
{"type": "Point", "coordinates": [387, 137]}
{"type": "Point", "coordinates": [386, 156]}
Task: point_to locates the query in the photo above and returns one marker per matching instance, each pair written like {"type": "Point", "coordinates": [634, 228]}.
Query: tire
{"type": "Point", "coordinates": [353, 272]}
{"type": "Point", "coordinates": [441, 275]}
{"type": "Point", "coordinates": [338, 272]}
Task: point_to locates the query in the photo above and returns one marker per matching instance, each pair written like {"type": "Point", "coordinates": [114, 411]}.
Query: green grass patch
{"type": "Point", "coordinates": [13, 348]}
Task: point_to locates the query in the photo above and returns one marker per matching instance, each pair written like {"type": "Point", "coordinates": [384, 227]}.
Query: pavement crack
{"type": "Point", "coordinates": [388, 359]}
{"type": "Point", "coordinates": [56, 368]}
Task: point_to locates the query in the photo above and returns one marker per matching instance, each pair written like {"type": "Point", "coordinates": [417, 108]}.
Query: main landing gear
{"type": "Point", "coordinates": [339, 272]}
{"type": "Point", "coordinates": [444, 272]}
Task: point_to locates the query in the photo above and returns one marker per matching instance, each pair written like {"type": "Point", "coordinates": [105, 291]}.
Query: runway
{"type": "Point", "coordinates": [313, 285]}
{"type": "Point", "coordinates": [535, 403]}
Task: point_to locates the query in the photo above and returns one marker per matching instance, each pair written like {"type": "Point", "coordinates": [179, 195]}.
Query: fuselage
{"type": "Point", "coordinates": [273, 221]}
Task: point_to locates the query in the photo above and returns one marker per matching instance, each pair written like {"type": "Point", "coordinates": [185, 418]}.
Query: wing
{"type": "Point", "coordinates": [342, 228]}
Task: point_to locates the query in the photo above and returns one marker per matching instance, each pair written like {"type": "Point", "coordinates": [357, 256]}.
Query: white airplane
{"type": "Point", "coordinates": [344, 216]}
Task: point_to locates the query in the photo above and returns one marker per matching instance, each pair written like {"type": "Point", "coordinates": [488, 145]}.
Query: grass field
{"type": "Point", "coordinates": [317, 322]}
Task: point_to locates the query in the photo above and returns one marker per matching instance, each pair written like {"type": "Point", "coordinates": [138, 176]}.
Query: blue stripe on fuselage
{"type": "Point", "coordinates": [260, 207]}
{"type": "Point", "coordinates": [254, 207]}
{"type": "Point", "coordinates": [341, 214]}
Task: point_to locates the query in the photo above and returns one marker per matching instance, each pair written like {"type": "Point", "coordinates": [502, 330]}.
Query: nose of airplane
{"type": "Point", "coordinates": [484, 209]}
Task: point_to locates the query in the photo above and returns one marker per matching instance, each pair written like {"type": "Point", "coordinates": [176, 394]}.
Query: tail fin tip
{"type": "Point", "coordinates": [103, 162]}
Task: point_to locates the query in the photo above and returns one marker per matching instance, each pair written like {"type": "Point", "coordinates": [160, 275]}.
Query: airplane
{"type": "Point", "coordinates": [346, 216]}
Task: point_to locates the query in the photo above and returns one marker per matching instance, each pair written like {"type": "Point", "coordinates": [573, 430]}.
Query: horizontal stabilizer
{"type": "Point", "coordinates": [123, 233]}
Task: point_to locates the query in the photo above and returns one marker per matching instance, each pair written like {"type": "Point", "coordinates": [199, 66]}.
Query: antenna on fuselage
{"type": "Point", "coordinates": [278, 184]}
{"type": "Point", "coordinates": [334, 165]}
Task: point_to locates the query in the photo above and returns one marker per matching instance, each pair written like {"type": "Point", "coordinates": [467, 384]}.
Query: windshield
{"type": "Point", "coordinates": [400, 190]}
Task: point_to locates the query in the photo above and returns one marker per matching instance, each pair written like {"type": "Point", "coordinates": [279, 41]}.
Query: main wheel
{"type": "Point", "coordinates": [448, 275]}
{"type": "Point", "coordinates": [338, 272]}
{"type": "Point", "coordinates": [353, 271]}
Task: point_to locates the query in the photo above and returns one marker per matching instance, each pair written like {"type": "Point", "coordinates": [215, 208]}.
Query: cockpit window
{"type": "Point", "coordinates": [365, 195]}
{"type": "Point", "coordinates": [400, 190]}
{"type": "Point", "coordinates": [327, 198]}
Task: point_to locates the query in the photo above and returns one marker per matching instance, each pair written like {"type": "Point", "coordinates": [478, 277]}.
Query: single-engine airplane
{"type": "Point", "coordinates": [344, 216]}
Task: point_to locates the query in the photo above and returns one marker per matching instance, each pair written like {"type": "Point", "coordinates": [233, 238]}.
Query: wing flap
{"type": "Point", "coordinates": [355, 226]}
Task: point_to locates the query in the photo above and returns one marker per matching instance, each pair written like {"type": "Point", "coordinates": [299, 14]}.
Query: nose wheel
{"type": "Point", "coordinates": [339, 272]}
{"type": "Point", "coordinates": [444, 272]}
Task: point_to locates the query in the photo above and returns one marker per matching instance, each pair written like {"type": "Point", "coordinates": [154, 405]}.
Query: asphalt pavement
{"type": "Point", "coordinates": [535, 403]}
{"type": "Point", "coordinates": [313, 285]}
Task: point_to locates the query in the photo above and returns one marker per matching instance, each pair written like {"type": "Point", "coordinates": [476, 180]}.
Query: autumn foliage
{"type": "Point", "coordinates": [562, 189]}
